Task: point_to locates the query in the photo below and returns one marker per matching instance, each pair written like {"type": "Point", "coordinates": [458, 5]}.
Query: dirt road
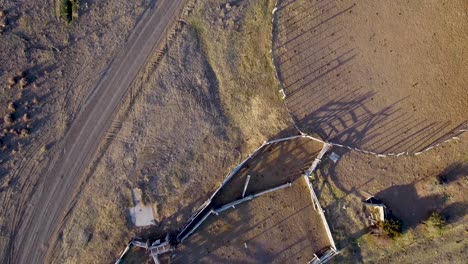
{"type": "Point", "coordinates": [36, 230]}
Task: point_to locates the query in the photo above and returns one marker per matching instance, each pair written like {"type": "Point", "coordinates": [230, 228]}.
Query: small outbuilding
{"type": "Point", "coordinates": [374, 210]}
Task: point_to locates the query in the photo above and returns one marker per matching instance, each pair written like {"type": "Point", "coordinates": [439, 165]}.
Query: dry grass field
{"type": "Point", "coordinates": [180, 131]}
{"type": "Point", "coordinates": [382, 76]}
{"type": "Point", "coordinates": [47, 70]}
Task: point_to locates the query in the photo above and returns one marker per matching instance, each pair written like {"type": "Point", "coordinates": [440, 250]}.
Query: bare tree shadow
{"type": "Point", "coordinates": [455, 212]}
{"type": "Point", "coordinates": [453, 173]}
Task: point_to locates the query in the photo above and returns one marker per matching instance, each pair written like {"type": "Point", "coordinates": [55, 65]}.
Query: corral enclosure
{"type": "Point", "coordinates": [382, 76]}
{"type": "Point", "coordinates": [272, 166]}
{"type": "Point", "coordinates": [273, 223]}
{"type": "Point", "coordinates": [276, 228]}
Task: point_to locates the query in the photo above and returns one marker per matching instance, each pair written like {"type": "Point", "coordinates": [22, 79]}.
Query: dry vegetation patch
{"type": "Point", "coordinates": [179, 132]}
{"type": "Point", "coordinates": [67, 9]}
{"type": "Point", "coordinates": [47, 69]}
{"type": "Point", "coordinates": [236, 37]}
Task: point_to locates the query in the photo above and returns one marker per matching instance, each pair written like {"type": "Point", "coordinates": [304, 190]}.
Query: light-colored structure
{"type": "Point", "coordinates": [141, 215]}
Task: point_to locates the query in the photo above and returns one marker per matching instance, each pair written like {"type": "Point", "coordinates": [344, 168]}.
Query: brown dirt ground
{"type": "Point", "coordinates": [412, 188]}
{"type": "Point", "coordinates": [279, 227]}
{"type": "Point", "coordinates": [273, 165]}
{"type": "Point", "coordinates": [386, 76]}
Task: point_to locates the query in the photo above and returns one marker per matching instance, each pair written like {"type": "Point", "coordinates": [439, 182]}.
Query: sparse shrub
{"type": "Point", "coordinates": [434, 225]}
{"type": "Point", "coordinates": [436, 220]}
{"type": "Point", "coordinates": [393, 228]}
{"type": "Point", "coordinates": [68, 10]}
{"type": "Point", "coordinates": [25, 117]}
{"type": "Point", "coordinates": [24, 132]}
{"type": "Point", "coordinates": [11, 107]}
{"type": "Point", "coordinates": [23, 82]}
{"type": "Point", "coordinates": [35, 100]}
{"type": "Point", "coordinates": [11, 82]}
{"type": "Point", "coordinates": [8, 119]}
{"type": "Point", "coordinates": [43, 149]}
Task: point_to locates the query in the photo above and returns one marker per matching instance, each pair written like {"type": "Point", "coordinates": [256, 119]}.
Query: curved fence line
{"type": "Point", "coordinates": [274, 23]}
{"type": "Point", "coordinates": [205, 210]}
{"type": "Point", "coordinates": [205, 206]}
{"type": "Point", "coordinates": [181, 236]}
{"type": "Point", "coordinates": [199, 216]}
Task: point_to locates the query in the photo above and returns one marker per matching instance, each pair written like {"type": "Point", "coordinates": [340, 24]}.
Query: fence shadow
{"type": "Point", "coordinates": [258, 231]}
{"type": "Point", "coordinates": [315, 65]}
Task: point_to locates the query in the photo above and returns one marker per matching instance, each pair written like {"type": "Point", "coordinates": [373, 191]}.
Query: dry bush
{"type": "Point", "coordinates": [12, 107]}
{"type": "Point", "coordinates": [23, 82]}
{"type": "Point", "coordinates": [11, 82]}
{"type": "Point", "coordinates": [435, 225]}
{"type": "Point", "coordinates": [436, 220]}
{"type": "Point", "coordinates": [390, 228]}
{"type": "Point", "coordinates": [25, 117]}
{"type": "Point", "coordinates": [8, 119]}
{"type": "Point", "coordinates": [24, 132]}
{"type": "Point", "coordinates": [68, 10]}
{"type": "Point", "coordinates": [393, 228]}
{"type": "Point", "coordinates": [43, 148]}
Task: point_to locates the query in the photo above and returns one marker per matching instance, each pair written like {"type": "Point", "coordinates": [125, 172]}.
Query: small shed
{"type": "Point", "coordinates": [374, 210]}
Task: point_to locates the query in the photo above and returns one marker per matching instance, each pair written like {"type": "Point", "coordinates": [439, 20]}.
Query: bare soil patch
{"type": "Point", "coordinates": [278, 227]}
{"type": "Point", "coordinates": [273, 165]}
{"type": "Point", "coordinates": [382, 76]}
